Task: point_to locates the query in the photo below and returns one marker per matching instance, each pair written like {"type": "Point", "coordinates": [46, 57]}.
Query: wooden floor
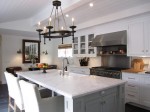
{"type": "Point", "coordinates": [4, 102]}
{"type": "Point", "coordinates": [3, 98]}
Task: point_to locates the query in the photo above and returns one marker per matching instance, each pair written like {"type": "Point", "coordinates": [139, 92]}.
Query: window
{"type": "Point", "coordinates": [65, 50]}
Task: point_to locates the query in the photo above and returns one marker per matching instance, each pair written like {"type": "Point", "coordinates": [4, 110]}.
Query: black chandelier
{"type": "Point", "coordinates": [54, 31]}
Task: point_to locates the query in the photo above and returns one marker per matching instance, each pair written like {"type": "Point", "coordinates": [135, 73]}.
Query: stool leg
{"type": "Point", "coordinates": [9, 103]}
{"type": "Point", "coordinates": [15, 107]}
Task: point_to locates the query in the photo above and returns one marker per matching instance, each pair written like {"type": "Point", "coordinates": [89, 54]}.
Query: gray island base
{"type": "Point", "coordinates": [109, 100]}
{"type": "Point", "coordinates": [82, 93]}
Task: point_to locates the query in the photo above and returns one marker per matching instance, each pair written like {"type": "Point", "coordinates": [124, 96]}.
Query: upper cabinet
{"type": "Point", "coordinates": [139, 38]}
{"type": "Point", "coordinates": [82, 48]}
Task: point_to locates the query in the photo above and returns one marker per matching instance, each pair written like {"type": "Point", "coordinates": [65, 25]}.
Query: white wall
{"type": "Point", "coordinates": [10, 45]}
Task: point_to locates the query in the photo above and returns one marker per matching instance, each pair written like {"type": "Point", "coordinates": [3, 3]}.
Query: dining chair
{"type": "Point", "coordinates": [14, 92]}
{"type": "Point", "coordinates": [34, 103]}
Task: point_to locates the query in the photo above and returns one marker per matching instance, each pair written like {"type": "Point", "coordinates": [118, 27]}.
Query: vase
{"type": "Point", "coordinates": [44, 70]}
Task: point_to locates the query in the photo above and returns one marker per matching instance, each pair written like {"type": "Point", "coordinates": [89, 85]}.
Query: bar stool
{"type": "Point", "coordinates": [14, 92]}
{"type": "Point", "coordinates": [34, 103]}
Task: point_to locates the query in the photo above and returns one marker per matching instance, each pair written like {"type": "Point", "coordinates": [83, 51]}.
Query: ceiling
{"type": "Point", "coordinates": [104, 7]}
{"type": "Point", "coordinates": [13, 10]}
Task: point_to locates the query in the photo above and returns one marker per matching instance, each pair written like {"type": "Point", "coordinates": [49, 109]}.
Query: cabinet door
{"type": "Point", "coordinates": [82, 45]}
{"type": "Point", "coordinates": [109, 103]}
{"type": "Point", "coordinates": [136, 39]}
{"type": "Point", "coordinates": [76, 46]}
{"type": "Point", "coordinates": [147, 37]}
{"type": "Point", "coordinates": [132, 88]}
{"type": "Point", "coordinates": [145, 91]}
{"type": "Point", "coordinates": [93, 105]}
{"type": "Point", "coordinates": [91, 51]}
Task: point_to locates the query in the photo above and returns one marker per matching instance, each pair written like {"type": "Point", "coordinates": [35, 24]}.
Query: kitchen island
{"type": "Point", "coordinates": [82, 93]}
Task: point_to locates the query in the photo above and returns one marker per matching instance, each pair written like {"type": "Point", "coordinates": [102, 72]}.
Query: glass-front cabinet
{"type": "Point", "coordinates": [82, 46]}
{"type": "Point", "coordinates": [91, 50]}
{"type": "Point", "coordinates": [75, 46]}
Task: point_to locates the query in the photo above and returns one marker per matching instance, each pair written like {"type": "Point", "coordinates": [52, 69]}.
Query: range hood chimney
{"type": "Point", "coordinates": [110, 39]}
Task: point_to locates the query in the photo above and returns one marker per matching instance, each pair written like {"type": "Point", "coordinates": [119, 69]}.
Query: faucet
{"type": "Point", "coordinates": [63, 67]}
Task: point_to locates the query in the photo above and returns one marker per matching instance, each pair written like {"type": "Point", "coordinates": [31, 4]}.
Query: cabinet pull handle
{"type": "Point", "coordinates": [131, 95]}
{"type": "Point", "coordinates": [103, 92]}
{"type": "Point", "coordinates": [130, 78]}
{"type": "Point", "coordinates": [131, 86]}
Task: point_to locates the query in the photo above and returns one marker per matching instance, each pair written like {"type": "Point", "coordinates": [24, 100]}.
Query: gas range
{"type": "Point", "coordinates": [111, 72]}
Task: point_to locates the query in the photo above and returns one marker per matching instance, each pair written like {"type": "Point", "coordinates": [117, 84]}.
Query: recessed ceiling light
{"type": "Point", "coordinates": [91, 4]}
{"type": "Point", "coordinates": [67, 15]}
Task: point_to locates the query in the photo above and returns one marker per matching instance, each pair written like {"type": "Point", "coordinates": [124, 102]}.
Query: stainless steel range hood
{"type": "Point", "coordinates": [110, 39]}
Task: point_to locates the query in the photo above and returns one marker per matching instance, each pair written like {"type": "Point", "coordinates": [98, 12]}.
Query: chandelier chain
{"type": "Point", "coordinates": [55, 19]}
{"type": "Point", "coordinates": [51, 12]}
{"type": "Point", "coordinates": [63, 18]}
{"type": "Point", "coordinates": [58, 21]}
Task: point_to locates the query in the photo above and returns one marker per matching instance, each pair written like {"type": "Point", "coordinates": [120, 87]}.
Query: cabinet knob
{"type": "Point", "coordinates": [146, 50]}
{"type": "Point", "coordinates": [142, 50]}
{"type": "Point", "coordinates": [103, 92]}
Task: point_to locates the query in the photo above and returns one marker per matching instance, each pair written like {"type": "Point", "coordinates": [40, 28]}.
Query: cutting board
{"type": "Point", "coordinates": [137, 64]}
{"type": "Point", "coordinates": [132, 70]}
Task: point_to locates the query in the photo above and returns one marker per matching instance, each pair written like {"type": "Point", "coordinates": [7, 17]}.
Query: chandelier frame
{"type": "Point", "coordinates": [52, 34]}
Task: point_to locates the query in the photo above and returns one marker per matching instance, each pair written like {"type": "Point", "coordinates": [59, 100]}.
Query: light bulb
{"type": "Point", "coordinates": [91, 4]}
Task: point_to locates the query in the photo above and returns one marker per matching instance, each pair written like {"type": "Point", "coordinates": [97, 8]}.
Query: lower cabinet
{"type": "Point", "coordinates": [109, 100]}
{"type": "Point", "coordinates": [109, 103]}
{"type": "Point", "coordinates": [145, 91]}
{"type": "Point", "coordinates": [104, 103]}
{"type": "Point", "coordinates": [137, 88]}
{"type": "Point", "coordinates": [94, 105]}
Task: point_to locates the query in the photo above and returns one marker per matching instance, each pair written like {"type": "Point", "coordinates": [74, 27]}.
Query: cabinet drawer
{"type": "Point", "coordinates": [132, 97]}
{"type": "Point", "coordinates": [134, 100]}
{"type": "Point", "coordinates": [108, 91]}
{"type": "Point", "coordinates": [134, 87]}
{"type": "Point", "coordinates": [131, 77]}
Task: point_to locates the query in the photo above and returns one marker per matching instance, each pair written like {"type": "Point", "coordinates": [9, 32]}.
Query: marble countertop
{"type": "Point", "coordinates": [72, 85]}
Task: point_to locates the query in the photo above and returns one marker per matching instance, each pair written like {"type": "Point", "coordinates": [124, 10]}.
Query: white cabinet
{"type": "Point", "coordinates": [80, 70]}
{"type": "Point", "coordinates": [145, 90]}
{"type": "Point", "coordinates": [132, 87]}
{"type": "Point", "coordinates": [147, 35]}
{"type": "Point", "coordinates": [137, 88]}
{"type": "Point", "coordinates": [82, 48]}
{"type": "Point", "coordinates": [138, 38]}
